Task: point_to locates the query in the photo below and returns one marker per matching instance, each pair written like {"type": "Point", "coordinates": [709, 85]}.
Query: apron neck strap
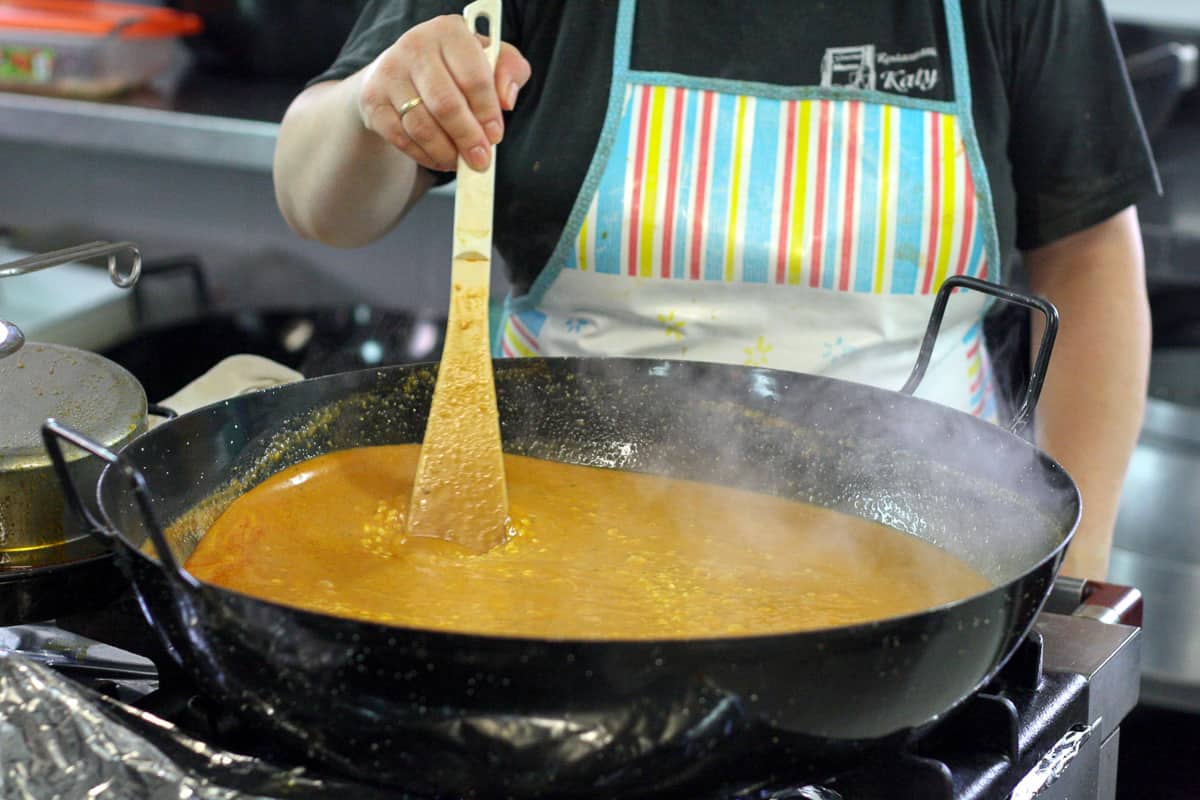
{"type": "Point", "coordinates": [627, 13]}
{"type": "Point", "coordinates": [958, 57]}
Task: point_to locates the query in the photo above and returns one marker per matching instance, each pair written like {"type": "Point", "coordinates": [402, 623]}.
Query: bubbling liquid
{"type": "Point", "coordinates": [593, 554]}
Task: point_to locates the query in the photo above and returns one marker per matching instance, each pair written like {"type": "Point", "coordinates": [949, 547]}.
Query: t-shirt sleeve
{"type": "Point", "coordinates": [1077, 145]}
{"type": "Point", "coordinates": [378, 27]}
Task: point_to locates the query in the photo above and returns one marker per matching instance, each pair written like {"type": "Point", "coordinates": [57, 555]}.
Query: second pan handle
{"type": "Point", "coordinates": [1037, 375]}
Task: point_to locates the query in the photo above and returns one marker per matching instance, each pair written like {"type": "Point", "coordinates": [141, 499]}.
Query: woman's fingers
{"type": "Point", "coordinates": [384, 118]}
{"type": "Point", "coordinates": [422, 127]}
{"type": "Point", "coordinates": [461, 97]}
{"type": "Point", "coordinates": [443, 82]}
{"type": "Point", "coordinates": [466, 61]}
{"type": "Point", "coordinates": [418, 154]}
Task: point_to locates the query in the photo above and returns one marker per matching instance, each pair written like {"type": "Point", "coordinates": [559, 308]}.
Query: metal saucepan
{"type": "Point", "coordinates": [48, 561]}
{"type": "Point", "coordinates": [449, 713]}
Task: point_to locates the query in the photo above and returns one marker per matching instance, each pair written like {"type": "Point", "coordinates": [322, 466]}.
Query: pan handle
{"type": "Point", "coordinates": [1037, 375]}
{"type": "Point", "coordinates": [52, 432]}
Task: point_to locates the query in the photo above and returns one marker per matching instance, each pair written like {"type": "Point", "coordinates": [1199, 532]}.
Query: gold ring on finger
{"type": "Point", "coordinates": [409, 106]}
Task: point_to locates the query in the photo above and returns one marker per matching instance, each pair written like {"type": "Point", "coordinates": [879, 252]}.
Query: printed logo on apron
{"type": "Point", "coordinates": [799, 228]}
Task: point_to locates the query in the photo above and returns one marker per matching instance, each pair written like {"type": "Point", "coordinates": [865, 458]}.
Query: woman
{"type": "Point", "coordinates": [782, 183]}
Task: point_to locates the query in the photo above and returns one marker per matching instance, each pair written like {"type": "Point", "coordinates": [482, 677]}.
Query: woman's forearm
{"type": "Point", "coordinates": [1091, 408]}
{"type": "Point", "coordinates": [335, 180]}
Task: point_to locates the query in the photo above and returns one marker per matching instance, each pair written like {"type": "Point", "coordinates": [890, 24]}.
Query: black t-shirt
{"type": "Point", "coordinates": [1058, 129]}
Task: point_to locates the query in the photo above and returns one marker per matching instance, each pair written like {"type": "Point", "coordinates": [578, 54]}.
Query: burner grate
{"type": "Point", "coordinates": [983, 749]}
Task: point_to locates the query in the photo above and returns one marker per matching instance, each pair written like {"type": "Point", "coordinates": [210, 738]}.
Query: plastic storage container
{"type": "Point", "coordinates": [81, 48]}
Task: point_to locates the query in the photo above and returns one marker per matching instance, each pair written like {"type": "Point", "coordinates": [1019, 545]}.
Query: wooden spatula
{"type": "Point", "coordinates": [460, 493]}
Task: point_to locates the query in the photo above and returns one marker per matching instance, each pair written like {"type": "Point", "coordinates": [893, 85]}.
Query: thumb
{"type": "Point", "coordinates": [512, 72]}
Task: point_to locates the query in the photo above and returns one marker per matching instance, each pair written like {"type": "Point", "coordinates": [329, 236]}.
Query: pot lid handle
{"type": "Point", "coordinates": [11, 338]}
{"type": "Point", "coordinates": [82, 252]}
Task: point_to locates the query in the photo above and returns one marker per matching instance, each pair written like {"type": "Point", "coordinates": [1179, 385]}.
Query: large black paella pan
{"type": "Point", "coordinates": [478, 715]}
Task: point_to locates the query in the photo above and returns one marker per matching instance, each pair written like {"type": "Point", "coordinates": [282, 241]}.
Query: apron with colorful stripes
{"type": "Point", "coordinates": [798, 228]}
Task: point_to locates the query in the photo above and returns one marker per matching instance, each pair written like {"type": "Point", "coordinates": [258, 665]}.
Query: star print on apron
{"type": "Point", "coordinates": [798, 228]}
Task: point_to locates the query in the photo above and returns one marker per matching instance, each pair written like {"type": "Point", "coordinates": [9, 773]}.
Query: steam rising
{"type": "Point", "coordinates": [937, 474]}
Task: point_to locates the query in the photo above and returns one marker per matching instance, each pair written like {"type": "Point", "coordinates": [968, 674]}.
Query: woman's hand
{"type": "Point", "coordinates": [443, 63]}
{"type": "Point", "coordinates": [348, 164]}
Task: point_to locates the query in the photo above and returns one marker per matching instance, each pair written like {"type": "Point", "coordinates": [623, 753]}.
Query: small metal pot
{"type": "Point", "coordinates": [44, 380]}
{"type": "Point", "coordinates": [48, 558]}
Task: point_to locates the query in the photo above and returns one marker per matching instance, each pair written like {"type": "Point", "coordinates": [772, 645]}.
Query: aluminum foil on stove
{"type": "Point", "coordinates": [61, 740]}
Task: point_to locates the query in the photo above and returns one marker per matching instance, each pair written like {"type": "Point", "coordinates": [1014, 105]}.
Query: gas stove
{"type": "Point", "coordinates": [1047, 727]}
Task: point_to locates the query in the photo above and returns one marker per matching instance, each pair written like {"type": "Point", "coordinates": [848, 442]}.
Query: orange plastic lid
{"type": "Point", "coordinates": [93, 18]}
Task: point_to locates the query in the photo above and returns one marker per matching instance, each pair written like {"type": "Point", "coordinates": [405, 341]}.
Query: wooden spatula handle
{"type": "Point", "coordinates": [473, 205]}
{"type": "Point", "coordinates": [489, 10]}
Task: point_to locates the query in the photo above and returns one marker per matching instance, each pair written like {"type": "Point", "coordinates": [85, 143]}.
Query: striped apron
{"type": "Point", "coordinates": [798, 228]}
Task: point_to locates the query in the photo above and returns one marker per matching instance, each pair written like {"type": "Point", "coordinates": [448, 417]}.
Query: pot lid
{"type": "Point", "coordinates": [81, 389]}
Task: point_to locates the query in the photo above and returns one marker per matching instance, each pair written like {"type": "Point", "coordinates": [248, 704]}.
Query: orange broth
{"type": "Point", "coordinates": [593, 553]}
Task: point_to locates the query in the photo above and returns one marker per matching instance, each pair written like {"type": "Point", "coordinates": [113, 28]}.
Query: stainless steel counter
{"type": "Point", "coordinates": [204, 139]}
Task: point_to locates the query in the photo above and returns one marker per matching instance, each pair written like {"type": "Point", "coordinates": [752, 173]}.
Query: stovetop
{"type": "Point", "coordinates": [1046, 727]}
